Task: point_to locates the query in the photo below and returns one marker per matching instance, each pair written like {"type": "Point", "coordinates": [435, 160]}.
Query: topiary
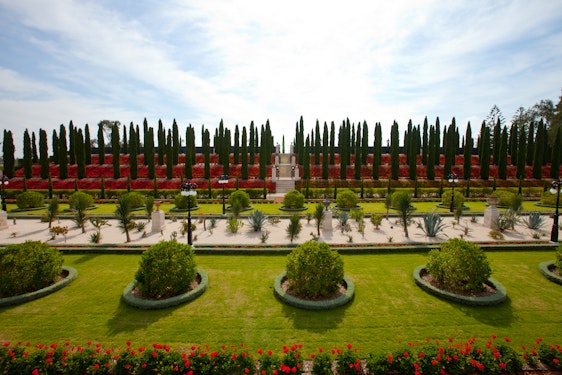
{"type": "Point", "coordinates": [166, 269]}
{"type": "Point", "coordinates": [459, 266]}
{"type": "Point", "coordinates": [83, 200]}
{"type": "Point", "coordinates": [314, 270]}
{"type": "Point", "coordinates": [293, 199]}
{"type": "Point", "coordinates": [136, 199]}
{"type": "Point", "coordinates": [505, 197]}
{"type": "Point", "coordinates": [558, 258]}
{"type": "Point", "coordinates": [446, 198]}
{"type": "Point", "coordinates": [181, 201]}
{"type": "Point", "coordinates": [548, 198]}
{"type": "Point", "coordinates": [28, 267]}
{"type": "Point", "coordinates": [30, 199]}
{"type": "Point", "coordinates": [347, 199]}
{"type": "Point", "coordinates": [239, 197]}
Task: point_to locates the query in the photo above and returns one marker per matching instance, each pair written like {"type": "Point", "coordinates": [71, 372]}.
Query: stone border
{"type": "Point", "coordinates": [290, 209]}
{"type": "Point", "coordinates": [16, 300]}
{"type": "Point", "coordinates": [313, 305]}
{"type": "Point", "coordinates": [499, 297]}
{"type": "Point", "coordinates": [175, 209]}
{"type": "Point", "coordinates": [148, 304]}
{"type": "Point", "coordinates": [544, 267]}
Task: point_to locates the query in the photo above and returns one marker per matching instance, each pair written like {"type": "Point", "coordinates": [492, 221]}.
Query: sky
{"type": "Point", "coordinates": [200, 61]}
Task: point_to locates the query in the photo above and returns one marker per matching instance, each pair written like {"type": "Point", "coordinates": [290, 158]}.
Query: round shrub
{"type": "Point", "coordinates": [135, 199]}
{"type": "Point", "coordinates": [30, 199]}
{"type": "Point", "coordinates": [240, 198]}
{"type": "Point", "coordinates": [505, 197]}
{"type": "Point", "coordinates": [166, 269]}
{"type": "Point", "coordinates": [293, 199]}
{"type": "Point", "coordinates": [27, 267]}
{"type": "Point", "coordinates": [181, 201]}
{"type": "Point", "coordinates": [83, 200]}
{"type": "Point", "coordinates": [548, 198]}
{"type": "Point", "coordinates": [314, 270]}
{"type": "Point", "coordinates": [459, 266]}
{"type": "Point", "coordinates": [558, 258]}
{"type": "Point", "coordinates": [347, 199]}
{"type": "Point", "coordinates": [446, 198]}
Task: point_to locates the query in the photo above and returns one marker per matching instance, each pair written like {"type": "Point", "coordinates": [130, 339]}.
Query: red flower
{"type": "Point", "coordinates": [349, 346]}
{"type": "Point", "coordinates": [389, 357]}
{"type": "Point", "coordinates": [154, 354]}
{"type": "Point", "coordinates": [406, 354]}
{"type": "Point", "coordinates": [35, 372]}
{"type": "Point", "coordinates": [96, 366]}
{"type": "Point", "coordinates": [434, 362]}
{"type": "Point", "coordinates": [507, 339]}
{"type": "Point", "coordinates": [556, 360]}
{"type": "Point", "coordinates": [313, 356]}
{"type": "Point", "coordinates": [260, 352]}
{"type": "Point", "coordinates": [503, 365]}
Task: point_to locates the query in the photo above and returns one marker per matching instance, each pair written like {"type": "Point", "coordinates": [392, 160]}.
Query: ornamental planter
{"type": "Point", "coordinates": [547, 269]}
{"type": "Point", "coordinates": [70, 274]}
{"type": "Point", "coordinates": [152, 304]}
{"type": "Point", "coordinates": [305, 304]}
{"type": "Point", "coordinates": [491, 300]}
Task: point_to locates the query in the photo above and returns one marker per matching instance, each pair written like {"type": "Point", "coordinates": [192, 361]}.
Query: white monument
{"type": "Point", "coordinates": [158, 219]}
{"type": "Point", "coordinates": [492, 214]}
{"type": "Point", "coordinates": [3, 220]}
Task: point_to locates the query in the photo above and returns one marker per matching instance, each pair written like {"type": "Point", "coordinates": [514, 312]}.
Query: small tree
{"type": "Point", "coordinates": [149, 206]}
{"type": "Point", "coordinates": [98, 223]}
{"type": "Point", "coordinates": [293, 199]}
{"type": "Point", "coordinates": [123, 213]}
{"type": "Point", "coordinates": [294, 227]}
{"type": "Point", "coordinates": [347, 199]}
{"type": "Point", "coordinates": [401, 201]}
{"type": "Point", "coordinates": [318, 216]}
{"type": "Point", "coordinates": [79, 203]}
{"type": "Point", "coordinates": [52, 211]}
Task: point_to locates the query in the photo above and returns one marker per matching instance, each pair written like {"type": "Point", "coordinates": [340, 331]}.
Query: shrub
{"type": "Point", "coordinates": [347, 199]}
{"type": "Point", "coordinates": [136, 199]}
{"type": "Point", "coordinates": [314, 270]}
{"type": "Point", "coordinates": [548, 198]}
{"type": "Point", "coordinates": [166, 269]}
{"type": "Point", "coordinates": [508, 219]}
{"type": "Point", "coordinates": [446, 198]}
{"type": "Point", "coordinates": [459, 265]}
{"type": "Point", "coordinates": [293, 199]}
{"type": "Point", "coordinates": [234, 224]}
{"type": "Point", "coordinates": [558, 258]}
{"type": "Point", "coordinates": [401, 201]}
{"type": "Point", "coordinates": [376, 220]}
{"type": "Point", "coordinates": [294, 227]}
{"type": "Point", "coordinates": [240, 197]}
{"type": "Point", "coordinates": [506, 197]}
{"type": "Point", "coordinates": [30, 199]}
{"type": "Point", "coordinates": [180, 201]}
{"type": "Point", "coordinates": [257, 220]}
{"type": "Point", "coordinates": [27, 267]}
{"type": "Point", "coordinates": [83, 200]}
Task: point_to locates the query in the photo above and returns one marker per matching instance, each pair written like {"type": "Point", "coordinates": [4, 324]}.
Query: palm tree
{"type": "Point", "coordinates": [123, 213]}
{"type": "Point", "coordinates": [52, 211]}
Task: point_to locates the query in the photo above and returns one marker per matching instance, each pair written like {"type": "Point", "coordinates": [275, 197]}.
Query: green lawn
{"type": "Point", "coordinates": [239, 307]}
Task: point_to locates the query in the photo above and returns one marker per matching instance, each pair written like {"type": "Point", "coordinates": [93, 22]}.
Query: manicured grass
{"type": "Point", "coordinates": [239, 307]}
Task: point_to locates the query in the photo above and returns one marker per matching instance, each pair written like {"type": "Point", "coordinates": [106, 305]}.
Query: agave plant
{"type": "Point", "coordinates": [508, 220]}
{"type": "Point", "coordinates": [343, 222]}
{"type": "Point", "coordinates": [257, 220]}
{"type": "Point", "coordinates": [534, 221]}
{"type": "Point", "coordinates": [432, 224]}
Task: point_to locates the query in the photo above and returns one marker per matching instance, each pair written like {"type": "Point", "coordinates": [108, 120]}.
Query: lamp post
{"type": "Point", "coordinates": [223, 180]}
{"type": "Point", "coordinates": [188, 190]}
{"type": "Point", "coordinates": [555, 188]}
{"type": "Point", "coordinates": [453, 179]}
{"type": "Point", "coordinates": [4, 182]}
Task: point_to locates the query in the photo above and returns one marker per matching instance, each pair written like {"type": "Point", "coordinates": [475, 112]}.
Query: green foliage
{"type": "Point", "coordinates": [52, 211]}
{"type": "Point", "coordinates": [432, 224]}
{"type": "Point", "coordinates": [27, 267]}
{"type": "Point", "coordinates": [558, 258]}
{"type": "Point", "coordinates": [234, 224]}
{"type": "Point", "coordinates": [149, 206]}
{"type": "Point", "coordinates": [294, 227]}
{"type": "Point", "coordinates": [83, 200]}
{"type": "Point", "coordinates": [347, 199]}
{"type": "Point", "coordinates": [496, 235]}
{"type": "Point", "coordinates": [534, 220]}
{"type": "Point", "coordinates": [376, 220]}
{"type": "Point", "coordinates": [124, 215]}
{"type": "Point", "coordinates": [401, 202]}
{"type": "Point", "coordinates": [30, 199]}
{"type": "Point", "coordinates": [548, 198]}
{"type": "Point", "coordinates": [343, 222]}
{"type": "Point", "coordinates": [166, 269]}
{"type": "Point", "coordinates": [314, 270]}
{"type": "Point", "coordinates": [446, 198]}
{"type": "Point", "coordinates": [508, 219]}
{"type": "Point", "coordinates": [181, 201]}
{"type": "Point", "coordinates": [459, 265]}
{"type": "Point", "coordinates": [506, 198]}
{"type": "Point", "coordinates": [293, 199]}
{"type": "Point", "coordinates": [318, 216]}
{"type": "Point", "coordinates": [239, 197]}
{"type": "Point", "coordinates": [357, 214]}
{"type": "Point", "coordinates": [257, 220]}
{"type": "Point", "coordinates": [135, 199]}
{"type": "Point", "coordinates": [348, 361]}
{"type": "Point", "coordinates": [79, 215]}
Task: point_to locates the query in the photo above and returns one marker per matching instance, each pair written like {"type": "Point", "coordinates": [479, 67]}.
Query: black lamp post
{"type": "Point", "coordinates": [223, 180]}
{"type": "Point", "coordinates": [4, 182]}
{"type": "Point", "coordinates": [188, 190]}
{"type": "Point", "coordinates": [453, 178]}
{"type": "Point", "coordinates": [555, 188]}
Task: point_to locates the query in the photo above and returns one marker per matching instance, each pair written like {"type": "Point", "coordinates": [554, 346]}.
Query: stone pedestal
{"type": "Point", "coordinates": [327, 221]}
{"type": "Point", "coordinates": [3, 220]}
{"type": "Point", "coordinates": [158, 221]}
{"type": "Point", "coordinates": [492, 214]}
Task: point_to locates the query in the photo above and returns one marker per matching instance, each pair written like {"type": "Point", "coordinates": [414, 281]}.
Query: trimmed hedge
{"type": "Point", "coordinates": [546, 269]}
{"type": "Point", "coordinates": [30, 199]}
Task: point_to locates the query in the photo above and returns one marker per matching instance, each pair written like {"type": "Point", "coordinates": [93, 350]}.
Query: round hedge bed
{"type": "Point", "coordinates": [175, 209]}
{"type": "Point", "coordinates": [68, 275]}
{"type": "Point", "coordinates": [291, 209]}
{"type": "Point", "coordinates": [314, 305]}
{"type": "Point", "coordinates": [490, 300]}
{"type": "Point", "coordinates": [547, 268]}
{"type": "Point", "coordinates": [151, 304]}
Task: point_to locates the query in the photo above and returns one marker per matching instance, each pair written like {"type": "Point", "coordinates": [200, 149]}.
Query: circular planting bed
{"type": "Point", "coordinates": [175, 209]}
{"type": "Point", "coordinates": [67, 276]}
{"type": "Point", "coordinates": [133, 299]}
{"type": "Point", "coordinates": [291, 209]}
{"type": "Point", "coordinates": [342, 297]}
{"type": "Point", "coordinates": [547, 269]}
{"type": "Point", "coordinates": [494, 294]}
{"type": "Point", "coordinates": [358, 207]}
{"type": "Point", "coordinates": [441, 205]}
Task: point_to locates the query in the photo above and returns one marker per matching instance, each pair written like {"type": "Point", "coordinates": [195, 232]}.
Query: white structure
{"type": "Point", "coordinates": [492, 214]}
{"type": "Point", "coordinates": [158, 219]}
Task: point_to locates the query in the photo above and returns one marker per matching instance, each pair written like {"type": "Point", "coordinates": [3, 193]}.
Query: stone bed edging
{"type": "Point", "coordinates": [544, 267]}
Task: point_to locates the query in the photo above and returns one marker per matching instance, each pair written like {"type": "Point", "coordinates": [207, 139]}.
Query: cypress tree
{"type": "Point", "coordinates": [34, 154]}
{"type": "Point", "coordinates": [133, 152]}
{"type": "Point", "coordinates": [502, 155]}
{"type": "Point", "coordinates": [244, 152]}
{"type": "Point", "coordinates": [394, 151]}
{"type": "Point", "coordinates": [437, 149]}
{"type": "Point", "coordinates": [149, 152]}
{"type": "Point", "coordinates": [115, 151]}
{"type": "Point", "coordinates": [137, 132]}
{"type": "Point", "coordinates": [251, 144]}
{"type": "Point", "coordinates": [537, 160]}
{"type": "Point", "coordinates": [306, 159]}
{"type": "Point", "coordinates": [169, 156]}
{"type": "Point", "coordinates": [317, 144]}
{"type": "Point", "coordinates": [325, 150]}
{"type": "Point", "coordinates": [332, 143]}
{"type": "Point", "coordinates": [125, 141]}
{"type": "Point", "coordinates": [207, 153]}
{"type": "Point", "coordinates": [425, 143]}
{"type": "Point", "coordinates": [55, 146]}
{"type": "Point", "coordinates": [521, 150]}
{"type": "Point", "coordinates": [8, 151]}
{"type": "Point", "coordinates": [555, 161]}
{"type": "Point", "coordinates": [50, 187]}
{"type": "Point", "coordinates": [485, 159]}
{"type": "Point", "coordinates": [226, 145]}
{"type": "Point", "coordinates": [468, 145]}
{"type": "Point", "coordinates": [496, 142]}
{"type": "Point", "coordinates": [27, 158]}
{"type": "Point", "coordinates": [430, 172]}
{"type": "Point", "coordinates": [63, 157]}
{"type": "Point", "coordinates": [263, 154]}
{"type": "Point", "coordinates": [358, 150]}
{"type": "Point", "coordinates": [87, 145]}
{"type": "Point", "coordinates": [377, 150]}
{"type": "Point", "coordinates": [80, 154]}
{"type": "Point", "coordinates": [513, 143]}
{"type": "Point", "coordinates": [530, 143]}
{"type": "Point", "coordinates": [176, 143]}
{"type": "Point", "coordinates": [236, 149]}
{"type": "Point", "coordinates": [101, 144]}
{"type": "Point", "coordinates": [343, 146]}
{"type": "Point", "coordinates": [43, 154]}
{"type": "Point", "coordinates": [146, 143]}
{"type": "Point", "coordinates": [71, 143]}
{"type": "Point", "coordinates": [161, 142]}
{"type": "Point", "coordinates": [188, 166]}
{"type": "Point", "coordinates": [365, 144]}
